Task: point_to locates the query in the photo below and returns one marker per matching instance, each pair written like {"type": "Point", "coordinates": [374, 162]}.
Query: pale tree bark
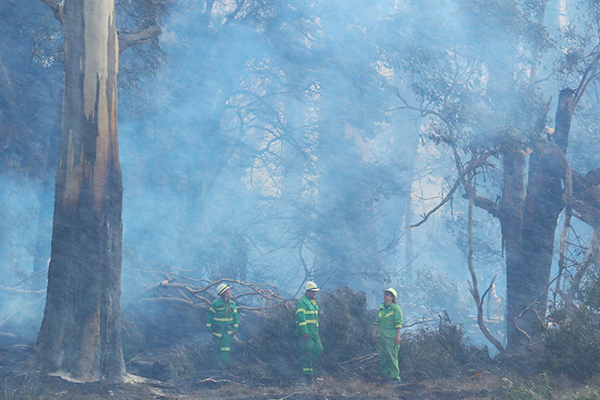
{"type": "Point", "coordinates": [80, 334]}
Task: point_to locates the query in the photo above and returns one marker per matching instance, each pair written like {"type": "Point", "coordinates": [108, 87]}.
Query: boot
{"type": "Point", "coordinates": [308, 380]}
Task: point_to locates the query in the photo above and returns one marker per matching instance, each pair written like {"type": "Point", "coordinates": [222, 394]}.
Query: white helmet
{"type": "Point", "coordinates": [222, 288]}
{"type": "Point", "coordinates": [311, 286]}
{"type": "Point", "coordinates": [392, 291]}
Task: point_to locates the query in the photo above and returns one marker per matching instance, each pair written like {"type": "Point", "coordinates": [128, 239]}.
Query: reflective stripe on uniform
{"type": "Point", "coordinates": [223, 319]}
{"type": "Point", "coordinates": [302, 323]}
{"type": "Point", "coordinates": [300, 309]}
{"type": "Point", "coordinates": [312, 312]}
{"type": "Point", "coordinates": [224, 349]}
{"type": "Point", "coordinates": [216, 334]}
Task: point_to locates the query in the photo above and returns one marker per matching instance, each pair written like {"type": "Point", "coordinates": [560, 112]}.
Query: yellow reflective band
{"type": "Point", "coordinates": [212, 309]}
{"type": "Point", "coordinates": [225, 349]}
{"type": "Point", "coordinates": [302, 323]}
{"type": "Point", "coordinates": [208, 325]}
{"type": "Point", "coordinates": [311, 311]}
{"type": "Point", "coordinates": [307, 369]}
{"type": "Point", "coordinates": [223, 319]}
{"type": "Point", "coordinates": [300, 310]}
{"type": "Point", "coordinates": [229, 332]}
{"type": "Point", "coordinates": [398, 326]}
{"type": "Point", "coordinates": [216, 334]}
{"type": "Point", "coordinates": [389, 314]}
{"type": "Point", "coordinates": [311, 321]}
{"type": "Point", "coordinates": [235, 311]}
{"type": "Point", "coordinates": [236, 326]}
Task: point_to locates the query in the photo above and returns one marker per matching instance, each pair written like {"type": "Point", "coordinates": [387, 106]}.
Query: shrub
{"type": "Point", "coordinates": [573, 348]}
{"type": "Point", "coordinates": [439, 353]}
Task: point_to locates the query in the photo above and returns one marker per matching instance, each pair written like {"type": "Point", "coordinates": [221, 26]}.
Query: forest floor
{"type": "Point", "coordinates": [488, 386]}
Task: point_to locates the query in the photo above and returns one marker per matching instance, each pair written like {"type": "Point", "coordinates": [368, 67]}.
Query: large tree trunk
{"type": "Point", "coordinates": [79, 338]}
{"type": "Point", "coordinates": [528, 270]}
{"type": "Point", "coordinates": [511, 217]}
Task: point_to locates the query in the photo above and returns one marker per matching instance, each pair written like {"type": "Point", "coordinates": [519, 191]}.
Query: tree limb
{"type": "Point", "coordinates": [475, 287]}
{"type": "Point", "coordinates": [471, 166]}
{"type": "Point", "coordinates": [590, 257]}
{"type": "Point", "coordinates": [593, 177]}
{"type": "Point", "coordinates": [57, 8]}
{"type": "Point", "coordinates": [129, 39]}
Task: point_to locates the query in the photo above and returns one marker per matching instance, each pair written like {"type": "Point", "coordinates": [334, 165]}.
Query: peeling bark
{"type": "Point", "coordinates": [80, 334]}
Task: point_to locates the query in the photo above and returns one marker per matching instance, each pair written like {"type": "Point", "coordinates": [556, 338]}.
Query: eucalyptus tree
{"type": "Point", "coordinates": [80, 333]}
{"type": "Point", "coordinates": [481, 78]}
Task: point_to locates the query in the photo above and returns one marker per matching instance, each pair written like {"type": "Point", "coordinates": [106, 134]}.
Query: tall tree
{"type": "Point", "coordinates": [493, 105]}
{"type": "Point", "coordinates": [80, 333]}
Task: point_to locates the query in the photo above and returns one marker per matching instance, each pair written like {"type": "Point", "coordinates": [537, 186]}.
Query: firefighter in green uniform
{"type": "Point", "coordinates": [307, 328]}
{"type": "Point", "coordinates": [388, 323]}
{"type": "Point", "coordinates": [222, 323]}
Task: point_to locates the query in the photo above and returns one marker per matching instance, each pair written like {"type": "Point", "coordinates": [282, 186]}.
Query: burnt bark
{"type": "Point", "coordinates": [80, 334]}
{"type": "Point", "coordinates": [529, 254]}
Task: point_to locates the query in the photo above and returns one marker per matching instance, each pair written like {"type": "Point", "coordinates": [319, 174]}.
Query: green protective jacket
{"type": "Point", "coordinates": [389, 319]}
{"type": "Point", "coordinates": [222, 318]}
{"type": "Point", "coordinates": [307, 316]}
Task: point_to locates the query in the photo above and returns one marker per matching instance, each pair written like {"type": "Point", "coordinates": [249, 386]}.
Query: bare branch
{"type": "Point", "coordinates": [590, 257]}
{"type": "Point", "coordinates": [471, 166]}
{"type": "Point", "coordinates": [127, 40]}
{"type": "Point", "coordinates": [475, 288]}
{"type": "Point", "coordinates": [486, 204]}
{"type": "Point", "coordinates": [593, 177]}
{"type": "Point", "coordinates": [56, 8]}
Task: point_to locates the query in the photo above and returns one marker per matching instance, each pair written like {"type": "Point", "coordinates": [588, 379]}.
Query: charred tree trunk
{"type": "Point", "coordinates": [80, 333]}
{"type": "Point", "coordinates": [511, 218]}
{"type": "Point", "coordinates": [530, 261]}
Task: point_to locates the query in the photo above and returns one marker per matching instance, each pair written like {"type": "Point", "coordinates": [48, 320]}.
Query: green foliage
{"type": "Point", "coordinates": [47, 44]}
{"type": "Point", "coordinates": [273, 350]}
{"type": "Point", "coordinates": [143, 59]}
{"type": "Point", "coordinates": [439, 353]}
{"type": "Point", "coordinates": [573, 347]}
{"type": "Point", "coordinates": [345, 327]}
{"type": "Point", "coordinates": [587, 394]}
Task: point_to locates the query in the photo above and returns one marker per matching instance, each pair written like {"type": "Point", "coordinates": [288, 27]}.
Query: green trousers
{"type": "Point", "coordinates": [388, 356]}
{"type": "Point", "coordinates": [311, 349]}
{"type": "Point", "coordinates": [222, 348]}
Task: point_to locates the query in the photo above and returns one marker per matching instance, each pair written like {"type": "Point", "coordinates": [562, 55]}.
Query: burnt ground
{"type": "Point", "coordinates": [33, 386]}
{"type": "Point", "coordinates": [19, 385]}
